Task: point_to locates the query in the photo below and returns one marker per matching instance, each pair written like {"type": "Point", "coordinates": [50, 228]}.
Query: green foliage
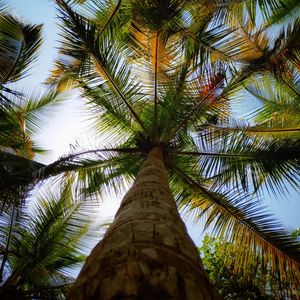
{"type": "Point", "coordinates": [296, 233]}
{"type": "Point", "coordinates": [19, 45]}
{"type": "Point", "coordinates": [40, 245]}
{"type": "Point", "coordinates": [235, 285]}
{"type": "Point", "coordinates": [165, 74]}
{"type": "Point", "coordinates": [22, 114]}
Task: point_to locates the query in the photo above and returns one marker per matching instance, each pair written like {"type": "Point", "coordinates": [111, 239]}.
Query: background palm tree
{"type": "Point", "coordinates": [22, 113]}
{"type": "Point", "coordinates": [39, 243]}
{"type": "Point", "coordinates": [162, 75]}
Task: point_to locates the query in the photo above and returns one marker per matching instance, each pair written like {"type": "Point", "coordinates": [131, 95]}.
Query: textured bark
{"type": "Point", "coordinates": [146, 253]}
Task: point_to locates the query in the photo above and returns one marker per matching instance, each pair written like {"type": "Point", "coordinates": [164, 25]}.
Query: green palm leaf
{"type": "Point", "coordinates": [249, 162]}
{"type": "Point", "coordinates": [19, 43]}
{"type": "Point", "coordinates": [108, 63]}
{"type": "Point", "coordinates": [46, 241]}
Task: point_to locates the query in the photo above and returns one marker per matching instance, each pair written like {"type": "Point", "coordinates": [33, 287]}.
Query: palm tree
{"type": "Point", "coordinates": [22, 114]}
{"type": "Point", "coordinates": [19, 44]}
{"type": "Point", "coordinates": [159, 77]}
{"type": "Point", "coordinates": [41, 240]}
{"type": "Point", "coordinates": [41, 244]}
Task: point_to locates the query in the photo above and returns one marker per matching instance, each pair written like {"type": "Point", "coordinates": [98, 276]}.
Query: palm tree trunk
{"type": "Point", "coordinates": [146, 253]}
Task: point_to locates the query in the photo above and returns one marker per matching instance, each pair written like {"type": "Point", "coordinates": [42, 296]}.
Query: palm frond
{"type": "Point", "coordinates": [278, 100]}
{"type": "Point", "coordinates": [287, 127]}
{"type": "Point", "coordinates": [51, 241]}
{"type": "Point", "coordinates": [286, 45]}
{"type": "Point", "coordinates": [254, 162]}
{"type": "Point", "coordinates": [100, 50]}
{"type": "Point", "coordinates": [20, 43]}
{"type": "Point", "coordinates": [245, 44]}
{"type": "Point", "coordinates": [283, 11]}
{"type": "Point", "coordinates": [243, 222]}
{"type": "Point", "coordinates": [97, 171]}
{"type": "Point", "coordinates": [37, 109]}
{"type": "Point", "coordinates": [205, 98]}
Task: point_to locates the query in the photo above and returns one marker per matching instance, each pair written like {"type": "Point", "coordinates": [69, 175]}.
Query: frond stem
{"type": "Point", "coordinates": [96, 60]}
{"type": "Point", "coordinates": [72, 156]}
{"type": "Point", "coordinates": [194, 153]}
{"type": "Point", "coordinates": [253, 129]}
{"type": "Point", "coordinates": [293, 89]}
{"type": "Point", "coordinates": [111, 16]}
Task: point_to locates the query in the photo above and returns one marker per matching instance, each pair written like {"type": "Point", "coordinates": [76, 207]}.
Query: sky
{"type": "Point", "coordinates": [69, 124]}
